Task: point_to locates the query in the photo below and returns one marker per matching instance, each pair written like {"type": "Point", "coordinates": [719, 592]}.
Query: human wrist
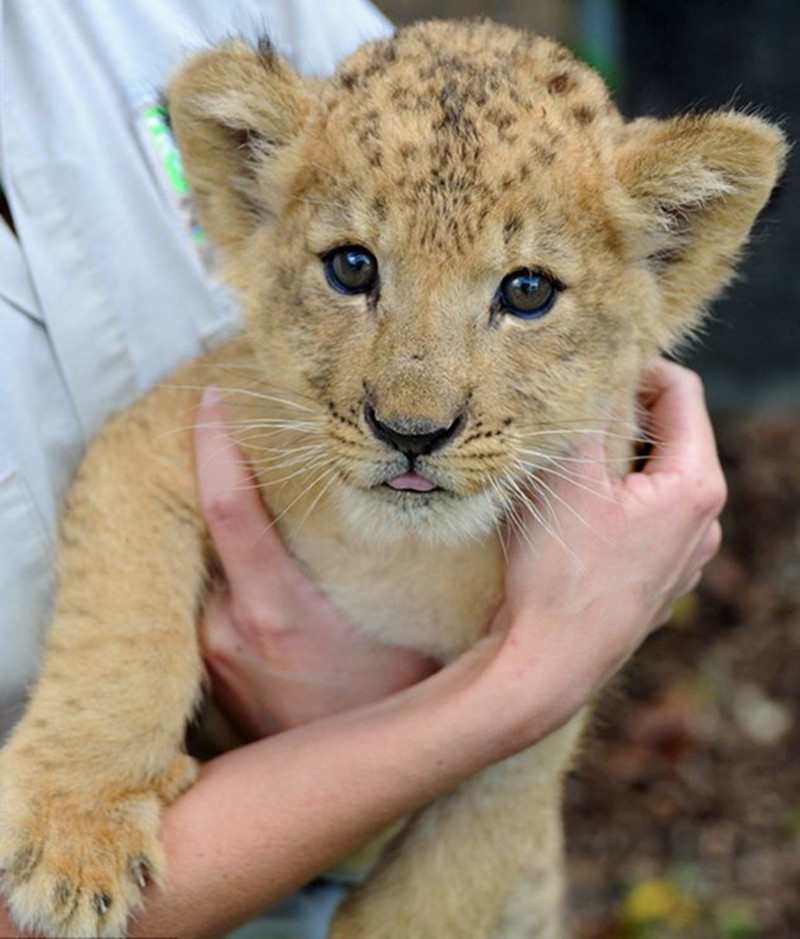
{"type": "Point", "coordinates": [495, 701]}
{"type": "Point", "coordinates": [539, 676]}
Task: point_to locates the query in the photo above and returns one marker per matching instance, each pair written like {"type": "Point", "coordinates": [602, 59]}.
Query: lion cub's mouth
{"type": "Point", "coordinates": [411, 481]}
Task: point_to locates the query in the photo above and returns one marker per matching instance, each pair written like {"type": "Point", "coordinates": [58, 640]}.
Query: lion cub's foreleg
{"type": "Point", "coordinates": [84, 776]}
{"type": "Point", "coordinates": [484, 862]}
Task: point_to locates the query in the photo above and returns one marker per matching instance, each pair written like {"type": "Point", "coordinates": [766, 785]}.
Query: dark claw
{"type": "Point", "coordinates": [140, 871]}
{"type": "Point", "coordinates": [24, 862]}
{"type": "Point", "coordinates": [62, 893]}
{"type": "Point", "coordinates": [102, 903]}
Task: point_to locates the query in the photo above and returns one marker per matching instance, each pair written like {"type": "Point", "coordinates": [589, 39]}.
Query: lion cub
{"type": "Point", "coordinates": [451, 256]}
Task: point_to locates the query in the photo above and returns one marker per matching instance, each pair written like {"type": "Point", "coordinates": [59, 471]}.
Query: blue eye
{"type": "Point", "coordinates": [527, 293]}
{"type": "Point", "coordinates": [351, 269]}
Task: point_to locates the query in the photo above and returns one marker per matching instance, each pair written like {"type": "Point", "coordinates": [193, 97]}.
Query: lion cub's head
{"type": "Point", "coordinates": [457, 252]}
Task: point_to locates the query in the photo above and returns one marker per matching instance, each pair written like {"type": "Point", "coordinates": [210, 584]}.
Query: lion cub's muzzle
{"type": "Point", "coordinates": [413, 436]}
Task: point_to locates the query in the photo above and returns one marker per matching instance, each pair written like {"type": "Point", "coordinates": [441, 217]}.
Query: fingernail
{"type": "Point", "coordinates": [212, 397]}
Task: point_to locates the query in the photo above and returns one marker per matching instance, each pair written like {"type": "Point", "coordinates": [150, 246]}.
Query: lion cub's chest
{"type": "Point", "coordinates": [438, 600]}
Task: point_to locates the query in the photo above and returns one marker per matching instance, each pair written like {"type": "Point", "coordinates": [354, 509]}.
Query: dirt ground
{"type": "Point", "coordinates": [684, 812]}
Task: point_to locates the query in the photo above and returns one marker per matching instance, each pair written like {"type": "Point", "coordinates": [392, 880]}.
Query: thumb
{"type": "Point", "coordinates": [246, 541]}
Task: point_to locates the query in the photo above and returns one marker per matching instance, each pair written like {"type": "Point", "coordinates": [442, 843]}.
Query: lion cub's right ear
{"type": "Point", "coordinates": [234, 109]}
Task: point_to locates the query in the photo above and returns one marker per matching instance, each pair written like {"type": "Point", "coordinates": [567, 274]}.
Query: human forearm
{"type": "Point", "coordinates": [265, 819]}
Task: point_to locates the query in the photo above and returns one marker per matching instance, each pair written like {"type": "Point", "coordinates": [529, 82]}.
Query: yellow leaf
{"type": "Point", "coordinates": [658, 901]}
{"type": "Point", "coordinates": [684, 611]}
{"type": "Point", "coordinates": [650, 901]}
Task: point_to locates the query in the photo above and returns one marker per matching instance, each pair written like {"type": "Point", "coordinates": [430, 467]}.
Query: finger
{"type": "Point", "coordinates": [667, 614]}
{"type": "Point", "coordinates": [677, 420]}
{"type": "Point", "coordinates": [711, 543]}
{"type": "Point", "coordinates": [688, 585]}
{"type": "Point", "coordinates": [693, 574]}
{"type": "Point", "coordinates": [246, 542]}
{"type": "Point", "coordinates": [217, 638]}
{"type": "Point", "coordinates": [707, 544]}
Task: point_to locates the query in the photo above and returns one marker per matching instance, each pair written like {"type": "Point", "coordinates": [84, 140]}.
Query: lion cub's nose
{"type": "Point", "coordinates": [413, 436]}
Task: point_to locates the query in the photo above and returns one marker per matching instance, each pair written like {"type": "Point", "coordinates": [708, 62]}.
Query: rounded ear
{"type": "Point", "coordinates": [697, 183]}
{"type": "Point", "coordinates": [234, 108]}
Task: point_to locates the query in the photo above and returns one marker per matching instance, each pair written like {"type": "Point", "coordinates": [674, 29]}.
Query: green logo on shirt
{"type": "Point", "coordinates": [156, 125]}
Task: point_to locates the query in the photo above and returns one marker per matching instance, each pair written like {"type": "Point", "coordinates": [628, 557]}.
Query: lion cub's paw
{"type": "Point", "coordinates": [75, 865]}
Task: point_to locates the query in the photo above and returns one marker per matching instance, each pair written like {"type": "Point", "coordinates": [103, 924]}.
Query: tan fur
{"type": "Point", "coordinates": [456, 153]}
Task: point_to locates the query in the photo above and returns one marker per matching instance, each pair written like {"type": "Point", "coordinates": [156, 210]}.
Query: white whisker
{"type": "Point", "coordinates": [298, 525]}
{"type": "Point", "coordinates": [309, 467]}
{"type": "Point", "coordinates": [565, 431]}
{"type": "Point", "coordinates": [553, 467]}
{"type": "Point", "coordinates": [529, 503]}
{"type": "Point", "coordinates": [498, 529]}
{"type": "Point", "coordinates": [521, 500]}
{"type": "Point", "coordinates": [244, 391]}
{"type": "Point", "coordinates": [322, 475]}
{"type": "Point", "coordinates": [540, 485]}
{"type": "Point", "coordinates": [279, 453]}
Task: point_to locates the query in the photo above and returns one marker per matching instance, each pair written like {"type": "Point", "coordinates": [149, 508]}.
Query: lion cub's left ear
{"type": "Point", "coordinates": [697, 183]}
{"type": "Point", "coordinates": [234, 110]}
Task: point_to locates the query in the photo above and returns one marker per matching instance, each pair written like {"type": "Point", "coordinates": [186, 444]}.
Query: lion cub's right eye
{"type": "Point", "coordinates": [351, 269]}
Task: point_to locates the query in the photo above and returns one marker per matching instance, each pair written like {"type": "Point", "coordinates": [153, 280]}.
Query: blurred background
{"type": "Point", "coordinates": [684, 810]}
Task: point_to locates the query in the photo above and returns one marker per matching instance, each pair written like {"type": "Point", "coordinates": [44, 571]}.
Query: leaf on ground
{"type": "Point", "coordinates": [658, 901]}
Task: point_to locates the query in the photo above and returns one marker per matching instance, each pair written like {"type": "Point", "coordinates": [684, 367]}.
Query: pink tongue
{"type": "Point", "coordinates": [411, 481]}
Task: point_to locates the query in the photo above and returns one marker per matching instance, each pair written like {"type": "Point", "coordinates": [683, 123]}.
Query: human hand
{"type": "Point", "coordinates": [577, 605]}
{"type": "Point", "coordinates": [280, 654]}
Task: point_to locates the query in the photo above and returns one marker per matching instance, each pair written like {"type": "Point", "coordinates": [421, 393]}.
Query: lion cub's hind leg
{"type": "Point", "coordinates": [484, 862]}
{"type": "Point", "coordinates": [535, 907]}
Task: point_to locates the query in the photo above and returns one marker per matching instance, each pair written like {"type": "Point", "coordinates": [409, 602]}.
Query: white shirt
{"type": "Point", "coordinates": [102, 292]}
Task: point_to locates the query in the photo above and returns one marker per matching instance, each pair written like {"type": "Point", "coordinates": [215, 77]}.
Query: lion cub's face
{"type": "Point", "coordinates": [457, 255]}
{"type": "Point", "coordinates": [448, 282]}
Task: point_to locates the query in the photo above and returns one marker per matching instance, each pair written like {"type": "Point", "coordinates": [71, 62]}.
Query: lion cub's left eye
{"type": "Point", "coordinates": [351, 269]}
{"type": "Point", "coordinates": [527, 293]}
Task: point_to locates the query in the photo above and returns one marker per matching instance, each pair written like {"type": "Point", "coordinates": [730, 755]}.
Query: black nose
{"type": "Point", "coordinates": [412, 436]}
